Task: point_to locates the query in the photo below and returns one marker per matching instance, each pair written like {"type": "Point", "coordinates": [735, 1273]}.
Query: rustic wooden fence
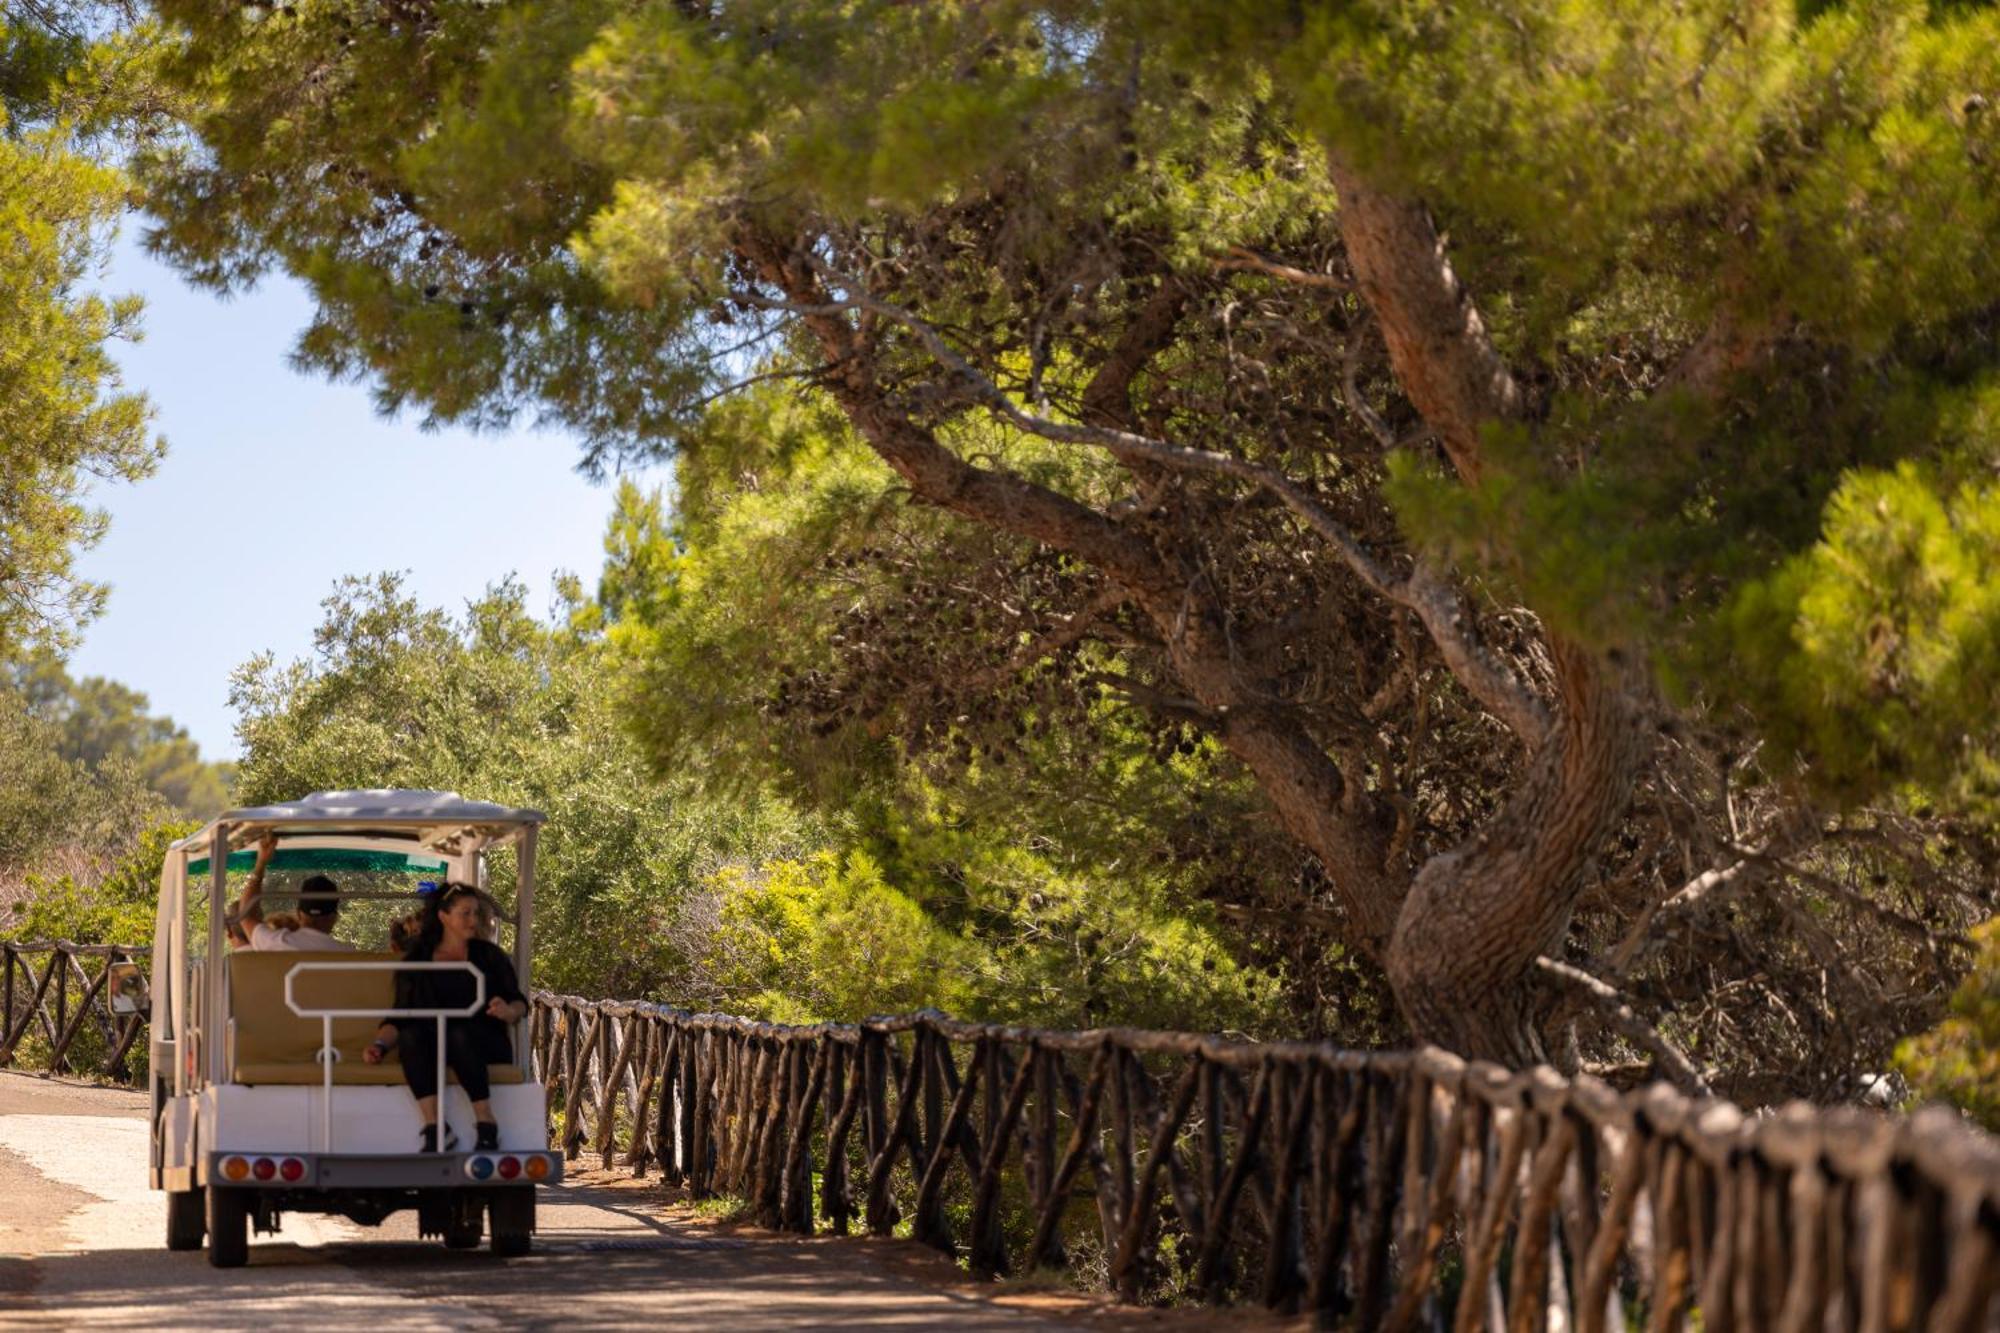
{"type": "Point", "coordinates": [1382, 1190]}
{"type": "Point", "coordinates": [1396, 1189]}
{"type": "Point", "coordinates": [65, 1001]}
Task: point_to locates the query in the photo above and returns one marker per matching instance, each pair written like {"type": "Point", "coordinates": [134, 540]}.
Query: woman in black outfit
{"type": "Point", "coordinates": [451, 933]}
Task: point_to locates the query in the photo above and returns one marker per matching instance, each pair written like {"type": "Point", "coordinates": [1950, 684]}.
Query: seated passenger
{"type": "Point", "coordinates": [450, 933]}
{"type": "Point", "coordinates": [403, 932]}
{"type": "Point", "coordinates": [489, 917]}
{"type": "Point", "coordinates": [232, 926]}
{"type": "Point", "coordinates": [319, 910]}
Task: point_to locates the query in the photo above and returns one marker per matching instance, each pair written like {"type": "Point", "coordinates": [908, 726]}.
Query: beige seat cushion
{"type": "Point", "coordinates": [385, 1075]}
{"type": "Point", "coordinates": [274, 1045]}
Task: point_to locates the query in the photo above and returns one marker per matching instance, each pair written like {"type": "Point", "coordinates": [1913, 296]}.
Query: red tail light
{"type": "Point", "coordinates": [264, 1169]}
{"type": "Point", "coordinates": [292, 1169]}
{"type": "Point", "coordinates": [510, 1167]}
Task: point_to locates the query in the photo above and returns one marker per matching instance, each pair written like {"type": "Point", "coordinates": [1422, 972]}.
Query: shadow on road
{"type": "Point", "coordinates": [696, 1283]}
{"type": "Point", "coordinates": [612, 1252]}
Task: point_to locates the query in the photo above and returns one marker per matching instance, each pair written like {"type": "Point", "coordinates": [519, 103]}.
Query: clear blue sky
{"type": "Point", "coordinates": [275, 485]}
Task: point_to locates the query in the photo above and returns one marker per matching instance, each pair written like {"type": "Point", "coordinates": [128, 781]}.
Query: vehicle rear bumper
{"type": "Point", "coordinates": [341, 1171]}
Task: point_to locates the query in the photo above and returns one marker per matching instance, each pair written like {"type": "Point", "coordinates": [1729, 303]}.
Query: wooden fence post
{"type": "Point", "coordinates": [836, 1195]}
{"type": "Point", "coordinates": [59, 961]}
{"type": "Point", "coordinates": [698, 1118]}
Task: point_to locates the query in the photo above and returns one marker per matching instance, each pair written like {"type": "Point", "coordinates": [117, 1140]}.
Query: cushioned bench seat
{"type": "Point", "coordinates": [273, 1045]}
{"type": "Point", "coordinates": [387, 1074]}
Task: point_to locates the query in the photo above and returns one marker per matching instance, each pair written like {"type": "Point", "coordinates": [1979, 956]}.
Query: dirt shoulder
{"type": "Point", "coordinates": [1047, 1297]}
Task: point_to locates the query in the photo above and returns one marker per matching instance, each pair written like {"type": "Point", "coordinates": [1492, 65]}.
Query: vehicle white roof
{"type": "Point", "coordinates": [384, 804]}
{"type": "Point", "coordinates": [437, 819]}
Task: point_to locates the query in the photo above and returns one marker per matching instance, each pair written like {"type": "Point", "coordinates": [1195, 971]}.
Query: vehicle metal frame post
{"type": "Point", "coordinates": [524, 930]}
{"type": "Point", "coordinates": [177, 970]}
{"type": "Point", "coordinates": [214, 1019]}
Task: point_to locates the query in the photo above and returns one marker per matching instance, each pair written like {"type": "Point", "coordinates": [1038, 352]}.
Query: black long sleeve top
{"type": "Point", "coordinates": [453, 990]}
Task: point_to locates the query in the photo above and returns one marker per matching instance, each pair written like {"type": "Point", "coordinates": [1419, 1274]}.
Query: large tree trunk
{"type": "Point", "coordinates": [1466, 940]}
{"type": "Point", "coordinates": [1463, 954]}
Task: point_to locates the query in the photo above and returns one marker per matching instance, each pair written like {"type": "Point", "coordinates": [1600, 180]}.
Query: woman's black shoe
{"type": "Point", "coordinates": [427, 1139]}
{"type": "Point", "coordinates": [489, 1137]}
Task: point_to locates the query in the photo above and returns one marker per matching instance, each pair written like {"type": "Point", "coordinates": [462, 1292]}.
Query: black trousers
{"type": "Point", "coordinates": [470, 1044]}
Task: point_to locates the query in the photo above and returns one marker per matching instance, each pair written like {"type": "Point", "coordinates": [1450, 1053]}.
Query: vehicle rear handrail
{"type": "Point", "coordinates": [327, 1052]}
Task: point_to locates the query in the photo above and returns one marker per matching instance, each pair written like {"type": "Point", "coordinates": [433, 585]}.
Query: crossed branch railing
{"type": "Point", "coordinates": [42, 1003]}
{"type": "Point", "coordinates": [1389, 1189]}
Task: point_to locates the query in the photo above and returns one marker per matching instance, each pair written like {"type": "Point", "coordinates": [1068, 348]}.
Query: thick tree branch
{"type": "Point", "coordinates": [1491, 681]}
{"type": "Point", "coordinates": [1240, 259]}
{"type": "Point", "coordinates": [1108, 398]}
{"type": "Point", "coordinates": [1437, 341]}
{"type": "Point", "coordinates": [1622, 1016]}
{"type": "Point", "coordinates": [1496, 685]}
{"type": "Point", "coordinates": [1479, 915]}
{"type": "Point", "coordinates": [934, 472]}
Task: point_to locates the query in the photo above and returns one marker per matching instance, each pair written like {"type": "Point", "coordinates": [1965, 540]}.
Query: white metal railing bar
{"type": "Point", "coordinates": [328, 1054]}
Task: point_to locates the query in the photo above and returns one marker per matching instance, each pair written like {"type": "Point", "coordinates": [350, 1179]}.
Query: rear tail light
{"type": "Point", "coordinates": [509, 1166]}
{"type": "Point", "coordinates": [292, 1170]}
{"type": "Point", "coordinates": [235, 1168]}
{"type": "Point", "coordinates": [264, 1169]}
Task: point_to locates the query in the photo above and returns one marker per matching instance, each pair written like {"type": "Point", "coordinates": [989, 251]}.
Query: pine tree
{"type": "Point", "coordinates": [64, 420]}
{"type": "Point", "coordinates": [1548, 448]}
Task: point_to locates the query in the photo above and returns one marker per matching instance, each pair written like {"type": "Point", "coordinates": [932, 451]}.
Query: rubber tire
{"type": "Point", "coordinates": [510, 1216]}
{"type": "Point", "coordinates": [466, 1236]}
{"type": "Point", "coordinates": [228, 1227]}
{"type": "Point", "coordinates": [187, 1219]}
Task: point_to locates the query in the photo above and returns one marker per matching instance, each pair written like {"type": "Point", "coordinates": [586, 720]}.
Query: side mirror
{"type": "Point", "coordinates": [126, 984]}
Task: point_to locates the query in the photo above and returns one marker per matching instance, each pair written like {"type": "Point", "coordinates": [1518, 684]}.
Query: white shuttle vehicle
{"type": "Point", "coordinates": [261, 1101]}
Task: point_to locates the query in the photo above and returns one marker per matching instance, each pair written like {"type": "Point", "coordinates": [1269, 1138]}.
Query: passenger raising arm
{"type": "Point", "coordinates": [319, 909]}
{"type": "Point", "coordinates": [250, 908]}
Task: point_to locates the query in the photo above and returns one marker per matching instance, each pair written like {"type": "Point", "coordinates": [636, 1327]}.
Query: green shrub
{"type": "Point", "coordinates": [826, 938]}
{"type": "Point", "coordinates": [1958, 1061]}
{"type": "Point", "coordinates": [116, 909]}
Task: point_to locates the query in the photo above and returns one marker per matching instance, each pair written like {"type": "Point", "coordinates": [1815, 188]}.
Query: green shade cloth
{"type": "Point", "coordinates": [330, 860]}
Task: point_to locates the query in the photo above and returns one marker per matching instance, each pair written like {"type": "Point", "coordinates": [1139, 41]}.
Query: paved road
{"type": "Point", "coordinates": [82, 1245]}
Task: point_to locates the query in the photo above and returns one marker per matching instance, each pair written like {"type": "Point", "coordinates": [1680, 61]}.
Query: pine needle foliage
{"type": "Point", "coordinates": [1195, 348]}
